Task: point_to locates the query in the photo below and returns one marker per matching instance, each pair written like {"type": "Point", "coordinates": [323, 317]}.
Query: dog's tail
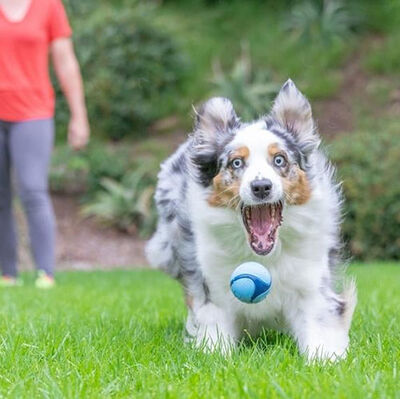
{"type": "Point", "coordinates": [349, 296]}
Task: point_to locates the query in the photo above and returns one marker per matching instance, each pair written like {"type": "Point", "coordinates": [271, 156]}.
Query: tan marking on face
{"type": "Point", "coordinates": [226, 188]}
{"type": "Point", "coordinates": [241, 152]}
{"type": "Point", "coordinates": [224, 194]}
{"type": "Point", "coordinates": [296, 187]}
{"type": "Point", "coordinates": [273, 149]}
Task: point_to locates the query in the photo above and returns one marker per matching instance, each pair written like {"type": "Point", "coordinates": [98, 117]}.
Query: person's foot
{"type": "Point", "coordinates": [44, 281]}
{"type": "Point", "coordinates": [9, 281]}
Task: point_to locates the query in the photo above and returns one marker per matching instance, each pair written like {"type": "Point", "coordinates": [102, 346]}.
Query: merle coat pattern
{"type": "Point", "coordinates": [201, 236]}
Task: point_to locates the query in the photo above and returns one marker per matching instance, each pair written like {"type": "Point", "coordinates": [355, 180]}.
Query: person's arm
{"type": "Point", "coordinates": [68, 73]}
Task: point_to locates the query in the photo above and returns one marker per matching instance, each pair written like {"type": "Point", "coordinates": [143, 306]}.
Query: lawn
{"type": "Point", "coordinates": [119, 334]}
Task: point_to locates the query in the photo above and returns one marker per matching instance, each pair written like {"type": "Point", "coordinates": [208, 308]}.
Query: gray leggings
{"type": "Point", "coordinates": [26, 148]}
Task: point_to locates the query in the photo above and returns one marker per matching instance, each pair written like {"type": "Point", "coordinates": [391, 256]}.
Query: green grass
{"type": "Point", "coordinates": [119, 334]}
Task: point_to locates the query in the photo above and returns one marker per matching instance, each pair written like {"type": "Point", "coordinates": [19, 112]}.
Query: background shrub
{"type": "Point", "coordinates": [250, 90]}
{"type": "Point", "coordinates": [127, 204]}
{"type": "Point", "coordinates": [132, 70]}
{"type": "Point", "coordinates": [322, 20]}
{"type": "Point", "coordinates": [384, 58]}
{"type": "Point", "coordinates": [81, 172]}
{"type": "Point", "coordinates": [113, 186]}
{"type": "Point", "coordinates": [368, 165]}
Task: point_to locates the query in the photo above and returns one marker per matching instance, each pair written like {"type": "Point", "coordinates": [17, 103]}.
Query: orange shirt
{"type": "Point", "coordinates": [25, 87]}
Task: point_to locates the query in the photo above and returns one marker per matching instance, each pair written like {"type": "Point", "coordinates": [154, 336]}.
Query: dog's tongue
{"type": "Point", "coordinates": [262, 222]}
{"type": "Point", "coordinates": [260, 219]}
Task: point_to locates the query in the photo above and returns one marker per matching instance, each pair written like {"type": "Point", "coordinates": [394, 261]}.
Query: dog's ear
{"type": "Point", "coordinates": [214, 128]}
{"type": "Point", "coordinates": [215, 117]}
{"type": "Point", "coordinates": [293, 112]}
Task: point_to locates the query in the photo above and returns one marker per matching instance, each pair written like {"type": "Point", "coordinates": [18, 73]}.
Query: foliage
{"type": "Point", "coordinates": [68, 172]}
{"type": "Point", "coordinates": [229, 2]}
{"type": "Point", "coordinates": [250, 91]}
{"type": "Point", "coordinates": [118, 334]}
{"type": "Point", "coordinates": [127, 205]}
{"type": "Point", "coordinates": [131, 68]}
{"type": "Point", "coordinates": [217, 33]}
{"type": "Point", "coordinates": [382, 16]}
{"type": "Point", "coordinates": [324, 20]}
{"type": "Point", "coordinates": [80, 172]}
{"type": "Point", "coordinates": [77, 8]}
{"type": "Point", "coordinates": [384, 56]}
{"type": "Point", "coordinates": [368, 164]}
{"type": "Point", "coordinates": [115, 184]}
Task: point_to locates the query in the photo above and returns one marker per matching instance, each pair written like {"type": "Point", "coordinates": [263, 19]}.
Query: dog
{"type": "Point", "coordinates": [262, 191]}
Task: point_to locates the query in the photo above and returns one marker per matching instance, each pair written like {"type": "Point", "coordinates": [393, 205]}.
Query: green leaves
{"type": "Point", "coordinates": [324, 21]}
{"type": "Point", "coordinates": [131, 67]}
{"type": "Point", "coordinates": [368, 166]}
{"type": "Point", "coordinates": [251, 91]}
{"type": "Point", "coordinates": [127, 205]}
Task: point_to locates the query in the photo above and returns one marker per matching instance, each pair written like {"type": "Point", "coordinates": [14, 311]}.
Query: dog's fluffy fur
{"type": "Point", "coordinates": [203, 196]}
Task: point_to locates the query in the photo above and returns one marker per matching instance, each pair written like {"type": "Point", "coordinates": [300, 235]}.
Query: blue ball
{"type": "Point", "coordinates": [251, 282]}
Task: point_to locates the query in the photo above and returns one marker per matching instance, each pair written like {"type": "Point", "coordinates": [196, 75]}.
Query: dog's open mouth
{"type": "Point", "coordinates": [262, 223]}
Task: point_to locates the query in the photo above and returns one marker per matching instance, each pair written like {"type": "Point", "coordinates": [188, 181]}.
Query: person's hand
{"type": "Point", "coordinates": [78, 132]}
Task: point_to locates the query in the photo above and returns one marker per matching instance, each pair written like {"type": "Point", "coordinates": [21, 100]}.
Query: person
{"type": "Point", "coordinates": [29, 31]}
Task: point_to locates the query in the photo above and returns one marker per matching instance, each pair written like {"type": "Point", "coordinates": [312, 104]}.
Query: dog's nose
{"type": "Point", "coordinates": [261, 188]}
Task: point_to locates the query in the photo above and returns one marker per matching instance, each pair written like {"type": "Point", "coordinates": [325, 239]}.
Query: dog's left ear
{"type": "Point", "coordinates": [293, 111]}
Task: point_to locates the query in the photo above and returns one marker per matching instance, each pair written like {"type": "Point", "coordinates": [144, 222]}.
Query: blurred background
{"type": "Point", "coordinates": [146, 63]}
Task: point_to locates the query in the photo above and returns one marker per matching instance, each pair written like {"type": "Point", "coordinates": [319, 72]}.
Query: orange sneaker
{"type": "Point", "coordinates": [44, 281]}
{"type": "Point", "coordinates": [8, 281]}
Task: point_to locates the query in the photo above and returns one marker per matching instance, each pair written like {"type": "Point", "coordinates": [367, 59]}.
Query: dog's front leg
{"type": "Point", "coordinates": [320, 330]}
{"type": "Point", "coordinates": [211, 328]}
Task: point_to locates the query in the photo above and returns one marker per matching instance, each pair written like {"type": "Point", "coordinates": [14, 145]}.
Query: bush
{"type": "Point", "coordinates": [368, 164]}
{"type": "Point", "coordinates": [250, 91]}
{"type": "Point", "coordinates": [114, 186]}
{"type": "Point", "coordinates": [131, 70]}
{"type": "Point", "coordinates": [381, 17]}
{"type": "Point", "coordinates": [322, 20]}
{"type": "Point", "coordinates": [384, 57]}
{"type": "Point", "coordinates": [74, 172]}
{"type": "Point", "coordinates": [69, 172]}
{"type": "Point", "coordinates": [128, 204]}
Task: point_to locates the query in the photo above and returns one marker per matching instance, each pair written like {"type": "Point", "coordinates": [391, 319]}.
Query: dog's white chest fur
{"type": "Point", "coordinates": [222, 245]}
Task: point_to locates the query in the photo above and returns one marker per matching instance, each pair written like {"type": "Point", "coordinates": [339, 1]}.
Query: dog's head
{"type": "Point", "coordinates": [256, 168]}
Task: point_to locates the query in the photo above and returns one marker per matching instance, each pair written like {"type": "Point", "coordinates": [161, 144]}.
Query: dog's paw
{"type": "Point", "coordinates": [208, 330]}
{"type": "Point", "coordinates": [215, 343]}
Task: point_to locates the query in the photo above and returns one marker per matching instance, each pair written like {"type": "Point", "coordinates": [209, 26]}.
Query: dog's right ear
{"type": "Point", "coordinates": [216, 116]}
{"type": "Point", "coordinates": [214, 127]}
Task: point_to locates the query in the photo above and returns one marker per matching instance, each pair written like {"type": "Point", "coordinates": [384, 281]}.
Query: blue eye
{"type": "Point", "coordinates": [279, 161]}
{"type": "Point", "coordinates": [237, 163]}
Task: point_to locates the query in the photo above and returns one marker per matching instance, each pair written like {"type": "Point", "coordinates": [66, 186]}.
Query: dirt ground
{"type": "Point", "coordinates": [82, 243]}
